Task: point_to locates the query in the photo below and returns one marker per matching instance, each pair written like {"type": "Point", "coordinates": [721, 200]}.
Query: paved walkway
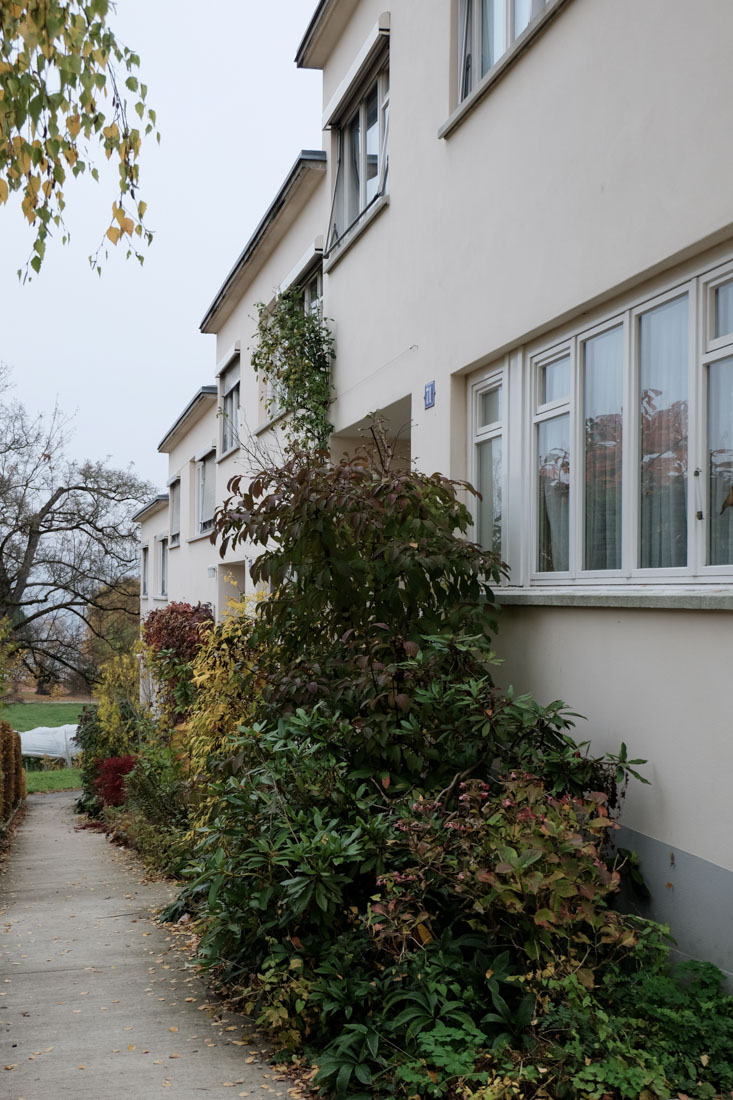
{"type": "Point", "coordinates": [96, 1000]}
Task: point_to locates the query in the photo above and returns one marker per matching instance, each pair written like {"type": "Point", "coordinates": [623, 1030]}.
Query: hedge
{"type": "Point", "coordinates": [12, 776]}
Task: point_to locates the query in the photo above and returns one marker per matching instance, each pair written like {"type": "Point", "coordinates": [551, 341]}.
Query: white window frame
{"type": "Point", "coordinates": [204, 524]}
{"type": "Point", "coordinates": [174, 533]}
{"type": "Point", "coordinates": [144, 570]}
{"type": "Point", "coordinates": [163, 564]}
{"type": "Point", "coordinates": [470, 39]}
{"type": "Point", "coordinates": [230, 389]}
{"type": "Point", "coordinates": [495, 378]}
{"type": "Point", "coordinates": [342, 226]}
{"type": "Point", "coordinates": [519, 373]}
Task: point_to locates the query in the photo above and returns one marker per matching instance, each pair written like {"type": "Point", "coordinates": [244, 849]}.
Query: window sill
{"type": "Point", "coordinates": [670, 597]}
{"type": "Point", "coordinates": [227, 454]}
{"type": "Point", "coordinates": [174, 546]}
{"type": "Point", "coordinates": [160, 599]}
{"type": "Point", "coordinates": [269, 424]}
{"type": "Point", "coordinates": [497, 71]}
{"type": "Point", "coordinates": [200, 537]}
{"type": "Point", "coordinates": [344, 243]}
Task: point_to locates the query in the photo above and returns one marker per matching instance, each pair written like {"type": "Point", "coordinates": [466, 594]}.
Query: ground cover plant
{"type": "Point", "coordinates": [58, 779]}
{"type": "Point", "coordinates": [400, 871]}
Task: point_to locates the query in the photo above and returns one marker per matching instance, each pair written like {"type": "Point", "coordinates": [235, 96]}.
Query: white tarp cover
{"type": "Point", "coordinates": [58, 742]}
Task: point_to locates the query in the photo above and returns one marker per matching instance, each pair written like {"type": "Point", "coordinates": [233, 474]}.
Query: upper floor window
{"type": "Point", "coordinates": [144, 570]}
{"type": "Point", "coordinates": [206, 492]}
{"type": "Point", "coordinates": [486, 31]}
{"type": "Point", "coordinates": [174, 511]}
{"type": "Point", "coordinates": [230, 406]}
{"type": "Point", "coordinates": [363, 158]}
{"type": "Point", "coordinates": [313, 293]}
{"type": "Point", "coordinates": [162, 567]}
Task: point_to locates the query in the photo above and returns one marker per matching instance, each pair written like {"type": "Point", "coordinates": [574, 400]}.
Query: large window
{"type": "Point", "coordinates": [230, 406]}
{"type": "Point", "coordinates": [486, 31]}
{"type": "Point", "coordinates": [363, 159]}
{"type": "Point", "coordinates": [621, 445]}
{"type": "Point", "coordinates": [206, 492]}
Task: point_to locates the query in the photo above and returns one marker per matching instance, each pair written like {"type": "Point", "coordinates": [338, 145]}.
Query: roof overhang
{"type": "Point", "coordinates": [308, 171]}
{"type": "Point", "coordinates": [324, 29]}
{"type": "Point", "coordinates": [193, 412]}
{"type": "Point", "coordinates": [150, 508]}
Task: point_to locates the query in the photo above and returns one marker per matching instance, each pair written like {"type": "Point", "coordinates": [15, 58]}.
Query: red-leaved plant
{"type": "Point", "coordinates": [110, 782]}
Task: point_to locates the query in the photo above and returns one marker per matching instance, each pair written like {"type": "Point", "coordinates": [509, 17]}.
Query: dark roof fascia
{"type": "Point", "coordinates": [152, 506]}
{"type": "Point", "coordinates": [304, 162]}
{"type": "Point", "coordinates": [313, 28]}
{"type": "Point", "coordinates": [203, 396]}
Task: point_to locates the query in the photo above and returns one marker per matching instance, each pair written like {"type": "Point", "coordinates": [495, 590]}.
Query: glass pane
{"type": "Point", "coordinates": [208, 501]}
{"type": "Point", "coordinates": [603, 391]}
{"type": "Point", "coordinates": [465, 45]}
{"type": "Point", "coordinates": [175, 507]}
{"type": "Point", "coordinates": [663, 353]}
{"type": "Point", "coordinates": [372, 144]}
{"type": "Point", "coordinates": [354, 177]}
{"type": "Point", "coordinates": [490, 407]}
{"type": "Point", "coordinates": [720, 458]}
{"type": "Point", "coordinates": [522, 15]}
{"type": "Point", "coordinates": [724, 310]}
{"type": "Point", "coordinates": [493, 32]}
{"type": "Point", "coordinates": [489, 485]}
{"type": "Point", "coordinates": [555, 385]}
{"type": "Point", "coordinates": [553, 451]}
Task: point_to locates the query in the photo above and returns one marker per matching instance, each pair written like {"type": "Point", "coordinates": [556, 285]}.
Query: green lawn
{"type": "Point", "coordinates": [26, 716]}
{"type": "Point", "coordinates": [63, 779]}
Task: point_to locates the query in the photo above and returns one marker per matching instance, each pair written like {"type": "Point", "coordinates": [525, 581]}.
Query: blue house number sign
{"type": "Point", "coordinates": [429, 395]}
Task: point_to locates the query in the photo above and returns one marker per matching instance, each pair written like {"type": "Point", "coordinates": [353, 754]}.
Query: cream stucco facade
{"type": "Point", "coordinates": [502, 252]}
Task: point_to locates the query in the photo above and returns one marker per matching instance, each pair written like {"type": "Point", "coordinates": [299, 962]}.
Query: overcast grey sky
{"type": "Point", "coordinates": [123, 351]}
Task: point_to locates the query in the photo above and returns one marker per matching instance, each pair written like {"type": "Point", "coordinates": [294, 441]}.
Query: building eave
{"type": "Point", "coordinates": [309, 163]}
{"type": "Point", "coordinates": [150, 508]}
{"type": "Point", "coordinates": [192, 412]}
{"type": "Point", "coordinates": [326, 25]}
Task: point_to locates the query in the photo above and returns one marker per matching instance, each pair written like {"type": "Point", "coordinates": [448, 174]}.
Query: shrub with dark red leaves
{"type": "Point", "coordinates": [177, 628]}
{"type": "Point", "coordinates": [110, 782]}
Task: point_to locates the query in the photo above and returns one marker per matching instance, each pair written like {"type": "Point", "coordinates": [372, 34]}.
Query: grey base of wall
{"type": "Point", "coordinates": [692, 896]}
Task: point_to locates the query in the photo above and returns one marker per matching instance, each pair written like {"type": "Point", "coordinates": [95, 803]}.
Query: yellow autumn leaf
{"type": "Point", "coordinates": [114, 234]}
{"type": "Point", "coordinates": [3, 191]}
{"type": "Point", "coordinates": [73, 125]}
{"type": "Point", "coordinates": [112, 132]}
{"type": "Point", "coordinates": [424, 934]}
{"type": "Point", "coordinates": [127, 225]}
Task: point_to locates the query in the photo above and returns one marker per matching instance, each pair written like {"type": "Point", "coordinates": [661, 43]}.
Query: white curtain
{"type": "Point", "coordinates": [720, 462]}
{"type": "Point", "coordinates": [603, 387]}
{"type": "Point", "coordinates": [553, 448]}
{"type": "Point", "coordinates": [663, 356]}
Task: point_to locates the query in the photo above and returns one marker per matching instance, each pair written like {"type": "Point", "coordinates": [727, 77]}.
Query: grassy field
{"type": "Point", "coordinates": [26, 716]}
{"type": "Point", "coordinates": [64, 779]}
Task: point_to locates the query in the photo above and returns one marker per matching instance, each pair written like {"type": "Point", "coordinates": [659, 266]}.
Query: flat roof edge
{"type": "Point", "coordinates": [201, 395]}
{"type": "Point", "coordinates": [151, 506]}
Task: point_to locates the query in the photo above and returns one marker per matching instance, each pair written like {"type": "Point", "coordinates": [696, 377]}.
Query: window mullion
{"type": "Point", "coordinates": [696, 495]}
{"type": "Point", "coordinates": [577, 464]}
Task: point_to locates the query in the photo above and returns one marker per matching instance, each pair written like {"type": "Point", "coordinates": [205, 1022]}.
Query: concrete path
{"type": "Point", "coordinates": [96, 1000]}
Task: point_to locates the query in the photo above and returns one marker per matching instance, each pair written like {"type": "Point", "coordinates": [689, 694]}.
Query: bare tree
{"type": "Point", "coordinates": [68, 546]}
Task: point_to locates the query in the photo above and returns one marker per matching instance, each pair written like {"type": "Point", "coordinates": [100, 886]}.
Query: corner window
{"type": "Point", "coordinates": [174, 511]}
{"type": "Point", "coordinates": [230, 406]}
{"type": "Point", "coordinates": [363, 158]}
{"type": "Point", "coordinates": [488, 400]}
{"type": "Point", "coordinates": [487, 29]}
{"type": "Point", "coordinates": [144, 570]}
{"type": "Point", "coordinates": [163, 567]}
{"type": "Point", "coordinates": [206, 493]}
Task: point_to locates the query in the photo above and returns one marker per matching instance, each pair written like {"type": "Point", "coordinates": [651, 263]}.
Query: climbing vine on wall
{"type": "Point", "coordinates": [293, 355]}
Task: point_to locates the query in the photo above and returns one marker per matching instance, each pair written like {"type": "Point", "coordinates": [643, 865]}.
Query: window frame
{"type": "Point", "coordinates": [378, 75]}
{"type": "Point", "coordinates": [519, 373]}
{"type": "Point", "coordinates": [174, 532]}
{"type": "Point", "coordinates": [163, 565]}
{"type": "Point", "coordinates": [144, 570]}
{"type": "Point", "coordinates": [230, 379]}
{"type": "Point", "coordinates": [494, 378]}
{"type": "Point", "coordinates": [204, 526]}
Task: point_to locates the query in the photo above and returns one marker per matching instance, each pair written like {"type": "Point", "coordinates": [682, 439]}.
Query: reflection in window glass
{"type": "Point", "coordinates": [553, 456]}
{"type": "Point", "coordinates": [489, 484]}
{"type": "Point", "coordinates": [522, 15]}
{"type": "Point", "coordinates": [555, 382]}
{"type": "Point", "coordinates": [720, 462]}
{"type": "Point", "coordinates": [372, 144]}
{"type": "Point", "coordinates": [490, 407]}
{"type": "Point", "coordinates": [663, 354]}
{"type": "Point", "coordinates": [723, 310]}
{"type": "Point", "coordinates": [493, 33]}
{"type": "Point", "coordinates": [352, 197]}
{"type": "Point", "coordinates": [603, 388]}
